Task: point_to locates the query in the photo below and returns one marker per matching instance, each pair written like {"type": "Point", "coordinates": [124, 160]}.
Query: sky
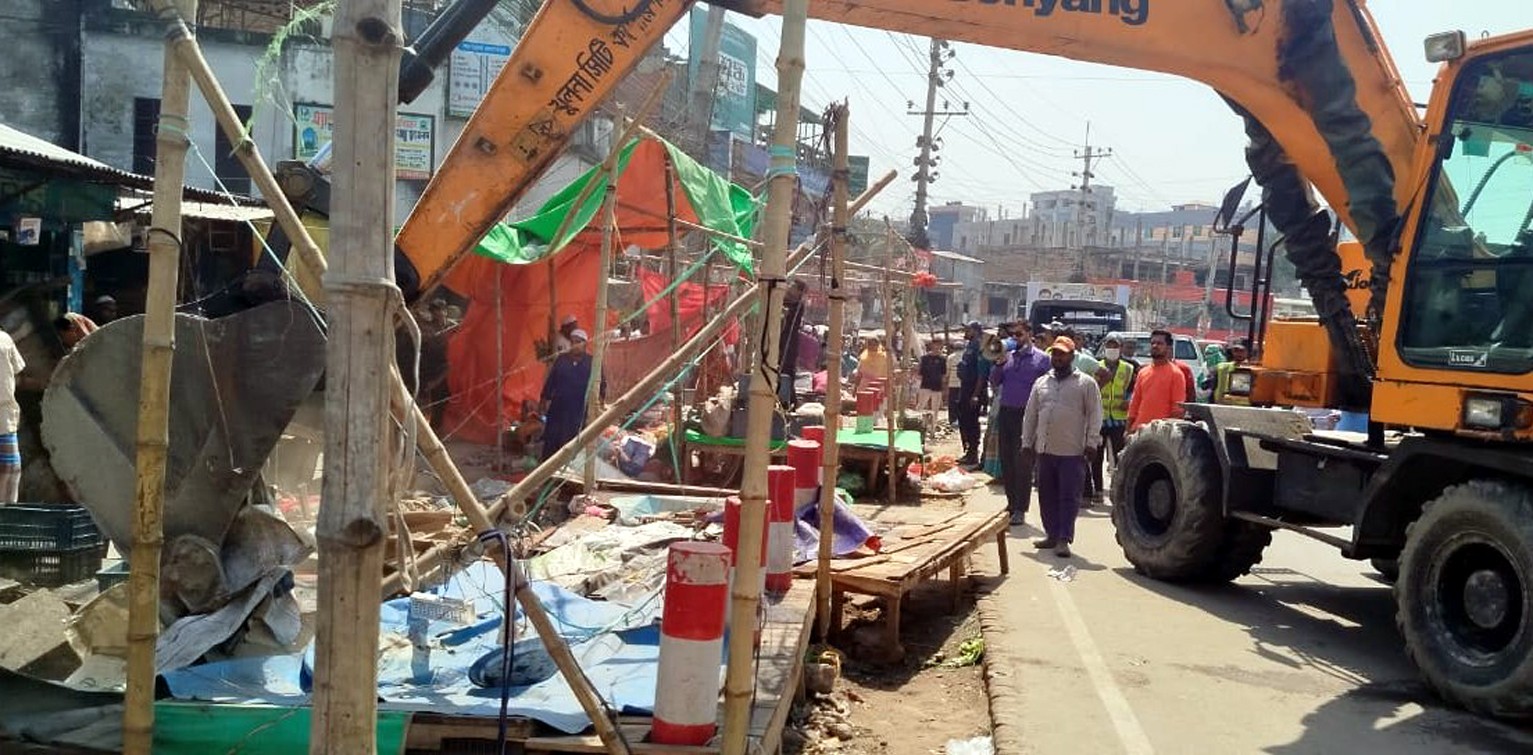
{"type": "Point", "coordinates": [1173, 140]}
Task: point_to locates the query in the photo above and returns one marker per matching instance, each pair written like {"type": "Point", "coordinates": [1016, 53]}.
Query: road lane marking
{"type": "Point", "coordinates": [1130, 733]}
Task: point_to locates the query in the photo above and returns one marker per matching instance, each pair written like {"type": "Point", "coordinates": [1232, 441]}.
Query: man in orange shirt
{"type": "Point", "coordinates": [1160, 388]}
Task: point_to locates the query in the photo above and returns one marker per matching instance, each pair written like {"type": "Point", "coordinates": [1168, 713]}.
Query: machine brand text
{"type": "Point", "coordinates": [1131, 12]}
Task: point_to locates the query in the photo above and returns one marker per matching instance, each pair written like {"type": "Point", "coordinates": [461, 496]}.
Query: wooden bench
{"type": "Point", "coordinates": [924, 549]}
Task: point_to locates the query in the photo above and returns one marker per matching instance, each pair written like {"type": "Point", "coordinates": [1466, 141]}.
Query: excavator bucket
{"type": "Point", "coordinates": [236, 382]}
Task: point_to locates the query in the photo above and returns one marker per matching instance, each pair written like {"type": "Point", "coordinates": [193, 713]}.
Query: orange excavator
{"type": "Point", "coordinates": [1442, 485]}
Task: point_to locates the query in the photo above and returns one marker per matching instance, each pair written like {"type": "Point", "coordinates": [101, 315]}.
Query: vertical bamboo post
{"type": "Point", "coordinates": [368, 42]}
{"type": "Point", "coordinates": [833, 346]}
{"type": "Point", "coordinates": [154, 399]}
{"type": "Point", "coordinates": [500, 373]}
{"type": "Point", "coordinates": [740, 680]}
{"type": "Point", "coordinates": [892, 395]}
{"type": "Point", "coordinates": [671, 252]}
{"type": "Point", "coordinates": [599, 336]}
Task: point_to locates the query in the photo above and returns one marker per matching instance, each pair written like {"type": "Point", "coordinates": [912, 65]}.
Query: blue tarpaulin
{"type": "Point", "coordinates": [617, 646]}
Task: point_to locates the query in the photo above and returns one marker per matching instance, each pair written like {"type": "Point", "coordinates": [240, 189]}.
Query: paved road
{"type": "Point", "coordinates": [1300, 657]}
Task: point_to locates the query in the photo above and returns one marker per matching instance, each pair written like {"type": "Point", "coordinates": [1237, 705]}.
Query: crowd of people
{"type": "Point", "coordinates": [1042, 410]}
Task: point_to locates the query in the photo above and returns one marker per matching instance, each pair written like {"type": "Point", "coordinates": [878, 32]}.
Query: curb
{"type": "Point", "coordinates": [1001, 684]}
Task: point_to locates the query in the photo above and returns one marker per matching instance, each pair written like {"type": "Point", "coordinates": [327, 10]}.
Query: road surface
{"type": "Point", "coordinates": [1300, 657]}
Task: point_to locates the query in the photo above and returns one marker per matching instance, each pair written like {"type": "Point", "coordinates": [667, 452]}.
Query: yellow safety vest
{"type": "Point", "coordinates": [1114, 393]}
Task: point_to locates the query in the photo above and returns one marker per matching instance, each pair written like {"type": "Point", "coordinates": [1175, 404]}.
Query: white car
{"type": "Point", "coordinates": [1183, 349]}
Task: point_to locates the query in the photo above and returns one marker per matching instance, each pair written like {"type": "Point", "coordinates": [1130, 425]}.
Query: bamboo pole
{"type": "Point", "coordinates": [368, 42]}
{"type": "Point", "coordinates": [153, 432]}
{"type": "Point", "coordinates": [640, 392]}
{"type": "Point", "coordinates": [740, 677]}
{"type": "Point", "coordinates": [892, 395]}
{"type": "Point", "coordinates": [831, 458]}
{"type": "Point", "coordinates": [672, 241]}
{"type": "Point", "coordinates": [600, 336]}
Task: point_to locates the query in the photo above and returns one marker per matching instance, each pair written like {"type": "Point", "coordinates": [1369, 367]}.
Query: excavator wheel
{"type": "Point", "coordinates": [1465, 597]}
{"type": "Point", "coordinates": [1167, 512]}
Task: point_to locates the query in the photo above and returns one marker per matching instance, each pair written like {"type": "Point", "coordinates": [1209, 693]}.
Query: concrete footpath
{"type": "Point", "coordinates": [1300, 657]}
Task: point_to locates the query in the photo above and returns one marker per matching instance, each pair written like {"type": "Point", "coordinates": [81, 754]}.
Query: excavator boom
{"type": "Point", "coordinates": [1311, 74]}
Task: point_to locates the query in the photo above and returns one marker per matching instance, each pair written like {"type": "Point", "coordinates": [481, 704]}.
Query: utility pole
{"type": "Point", "coordinates": [700, 105]}
{"type": "Point", "coordinates": [1086, 156]}
{"type": "Point", "coordinates": [936, 76]}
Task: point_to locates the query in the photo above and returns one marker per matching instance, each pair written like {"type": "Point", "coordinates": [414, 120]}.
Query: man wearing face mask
{"type": "Point", "coordinates": [1013, 382]}
{"type": "Point", "coordinates": [1061, 425]}
{"type": "Point", "coordinates": [1116, 381]}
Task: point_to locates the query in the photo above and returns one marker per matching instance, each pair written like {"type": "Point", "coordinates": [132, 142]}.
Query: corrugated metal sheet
{"type": "Point", "coordinates": [140, 204]}
{"type": "Point", "coordinates": [22, 150]}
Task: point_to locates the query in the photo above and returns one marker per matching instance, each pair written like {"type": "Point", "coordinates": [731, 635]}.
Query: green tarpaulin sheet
{"type": "Point", "coordinates": [203, 728]}
{"type": "Point", "coordinates": [716, 203]}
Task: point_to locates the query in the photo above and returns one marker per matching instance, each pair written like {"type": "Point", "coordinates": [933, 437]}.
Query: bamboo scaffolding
{"type": "Point", "coordinates": [831, 458]}
{"type": "Point", "coordinates": [672, 250]}
{"type": "Point", "coordinates": [891, 396]}
{"type": "Point", "coordinates": [368, 42]}
{"type": "Point", "coordinates": [600, 336]}
{"type": "Point", "coordinates": [153, 441]}
{"type": "Point", "coordinates": [642, 391]}
{"type": "Point", "coordinates": [740, 676]}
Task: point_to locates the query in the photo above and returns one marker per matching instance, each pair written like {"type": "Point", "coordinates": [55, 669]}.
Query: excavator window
{"type": "Point", "coordinates": [1469, 286]}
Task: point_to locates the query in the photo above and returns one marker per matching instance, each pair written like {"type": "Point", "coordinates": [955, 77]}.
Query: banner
{"type": "Point", "coordinates": [470, 74]}
{"type": "Point", "coordinates": [734, 102]}
{"type": "Point", "coordinates": [414, 139]}
{"type": "Point", "coordinates": [1040, 290]}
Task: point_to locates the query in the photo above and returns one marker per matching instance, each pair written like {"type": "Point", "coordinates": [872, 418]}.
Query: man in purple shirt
{"type": "Point", "coordinates": [1013, 382]}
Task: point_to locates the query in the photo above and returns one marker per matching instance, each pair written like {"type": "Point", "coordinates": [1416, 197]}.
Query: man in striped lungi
{"type": "Point", "coordinates": [11, 364]}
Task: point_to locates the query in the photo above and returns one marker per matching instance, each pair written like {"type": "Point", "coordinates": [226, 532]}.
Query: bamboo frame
{"type": "Point", "coordinates": [740, 676]}
{"type": "Point", "coordinates": [599, 334]}
{"type": "Point", "coordinates": [831, 454]}
{"type": "Point", "coordinates": [153, 434]}
{"type": "Point", "coordinates": [359, 443]}
{"type": "Point", "coordinates": [892, 395]}
{"type": "Point", "coordinates": [672, 251]}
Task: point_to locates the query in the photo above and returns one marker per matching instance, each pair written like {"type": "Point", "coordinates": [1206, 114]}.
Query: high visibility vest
{"type": "Point", "coordinates": [1222, 386]}
{"type": "Point", "coordinates": [1115, 392]}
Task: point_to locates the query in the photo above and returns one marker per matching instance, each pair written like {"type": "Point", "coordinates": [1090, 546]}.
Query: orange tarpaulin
{"type": "Point", "coordinates": [477, 383]}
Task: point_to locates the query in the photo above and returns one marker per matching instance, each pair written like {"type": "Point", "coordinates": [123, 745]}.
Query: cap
{"type": "Point", "coordinates": [975, 325]}
{"type": "Point", "coordinates": [579, 335]}
{"type": "Point", "coordinates": [105, 299]}
{"type": "Point", "coordinates": [1063, 343]}
{"type": "Point", "coordinates": [1054, 327]}
{"type": "Point", "coordinates": [568, 320]}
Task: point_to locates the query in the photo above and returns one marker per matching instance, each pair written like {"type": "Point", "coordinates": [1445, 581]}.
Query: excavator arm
{"type": "Point", "coordinates": [1322, 102]}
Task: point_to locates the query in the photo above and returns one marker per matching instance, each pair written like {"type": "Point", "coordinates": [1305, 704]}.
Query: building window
{"type": "Point", "coordinates": [146, 114]}
{"type": "Point", "coordinates": [1005, 238]}
{"type": "Point", "coordinates": [1176, 231]}
{"type": "Point", "coordinates": [228, 168]}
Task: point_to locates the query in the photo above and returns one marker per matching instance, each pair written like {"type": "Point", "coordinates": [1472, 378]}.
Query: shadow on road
{"type": "Point", "coordinates": [1348, 633]}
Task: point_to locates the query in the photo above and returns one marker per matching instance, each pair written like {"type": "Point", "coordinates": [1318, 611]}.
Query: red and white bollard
{"type": "Point", "coordinates": [691, 643]}
{"type": "Point", "coordinates": [779, 568]}
{"type": "Point", "coordinates": [805, 457]}
{"type": "Point", "coordinates": [867, 410]}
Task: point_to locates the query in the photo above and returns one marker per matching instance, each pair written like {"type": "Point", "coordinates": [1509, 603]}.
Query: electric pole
{"type": "Point", "coordinates": [936, 76]}
{"type": "Point", "coordinates": [1085, 203]}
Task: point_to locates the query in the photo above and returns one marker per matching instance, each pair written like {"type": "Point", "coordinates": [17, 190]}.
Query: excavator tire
{"type": "Point", "coordinates": [1167, 512]}
{"type": "Point", "coordinates": [1465, 597]}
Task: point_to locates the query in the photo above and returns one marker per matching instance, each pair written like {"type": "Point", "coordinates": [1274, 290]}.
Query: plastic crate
{"type": "Point", "coordinates": [112, 576]}
{"type": "Point", "coordinates": [47, 527]}
{"type": "Point", "coordinates": [52, 568]}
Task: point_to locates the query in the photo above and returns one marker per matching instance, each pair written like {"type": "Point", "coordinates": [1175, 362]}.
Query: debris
{"type": "Point", "coordinates": [99, 673]}
{"type": "Point", "coordinates": [1064, 573]}
{"type": "Point", "coordinates": [975, 746]}
{"type": "Point", "coordinates": [33, 641]}
{"type": "Point", "coordinates": [842, 730]}
{"type": "Point", "coordinates": [954, 480]}
{"type": "Point", "coordinates": [970, 652]}
{"type": "Point", "coordinates": [100, 627]}
{"type": "Point", "coordinates": [10, 590]}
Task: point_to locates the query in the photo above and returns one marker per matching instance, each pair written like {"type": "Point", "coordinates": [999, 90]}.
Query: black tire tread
{"type": "Point", "coordinates": [1515, 696]}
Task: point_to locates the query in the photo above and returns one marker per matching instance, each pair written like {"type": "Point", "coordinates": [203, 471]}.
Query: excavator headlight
{"type": "Point", "coordinates": [1448, 45]}
{"type": "Point", "coordinates": [1240, 382]}
{"type": "Point", "coordinates": [1484, 412]}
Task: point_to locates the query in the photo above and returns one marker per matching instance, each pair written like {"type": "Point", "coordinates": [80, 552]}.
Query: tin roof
{"type": "Point", "coordinates": [23, 150]}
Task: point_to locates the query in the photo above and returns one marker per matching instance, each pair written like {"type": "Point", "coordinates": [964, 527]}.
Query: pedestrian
{"type": "Point", "coordinates": [1117, 385]}
{"type": "Point", "coordinates": [562, 338]}
{"type": "Point", "coordinates": [954, 356]}
{"type": "Point", "coordinates": [1239, 352]}
{"type": "Point", "coordinates": [1161, 386]}
{"type": "Point", "coordinates": [564, 395]}
{"type": "Point", "coordinates": [1061, 426]}
{"type": "Point", "coordinates": [106, 309]}
{"type": "Point", "coordinates": [788, 345]}
{"type": "Point", "coordinates": [933, 372]}
{"type": "Point", "coordinates": [11, 365]}
{"type": "Point", "coordinates": [971, 393]}
{"type": "Point", "coordinates": [1013, 381]}
{"type": "Point", "coordinates": [72, 328]}
{"type": "Point", "coordinates": [873, 363]}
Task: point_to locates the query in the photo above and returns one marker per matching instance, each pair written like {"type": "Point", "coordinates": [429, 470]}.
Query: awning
{"type": "Point", "coordinates": [143, 205]}
{"type": "Point", "coordinates": [23, 152]}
